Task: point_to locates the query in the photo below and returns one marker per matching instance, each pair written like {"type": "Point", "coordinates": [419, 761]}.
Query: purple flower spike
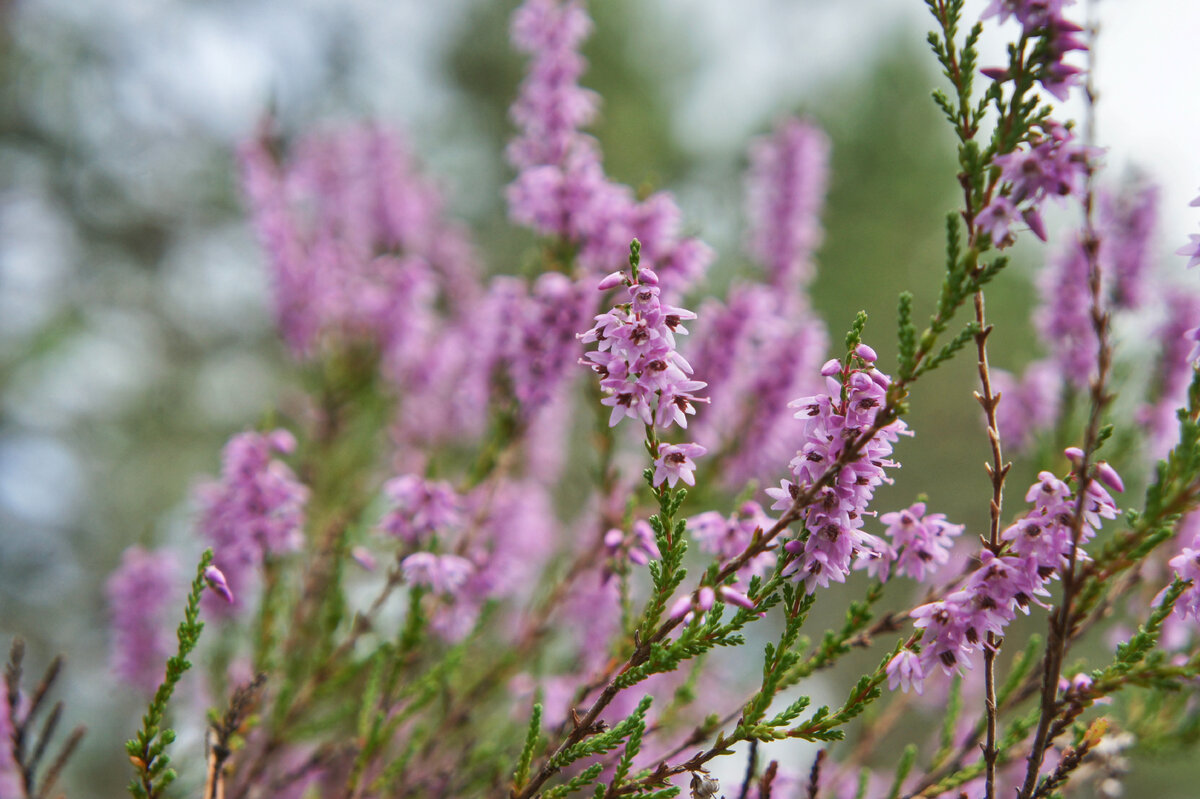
{"type": "Point", "coordinates": [254, 511]}
{"type": "Point", "coordinates": [139, 593]}
{"type": "Point", "coordinates": [785, 191]}
{"type": "Point", "coordinates": [835, 519]}
{"type": "Point", "coordinates": [216, 581]}
{"type": "Point", "coordinates": [675, 463]}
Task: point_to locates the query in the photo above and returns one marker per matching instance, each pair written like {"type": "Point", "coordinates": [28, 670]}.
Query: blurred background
{"type": "Point", "coordinates": [135, 335]}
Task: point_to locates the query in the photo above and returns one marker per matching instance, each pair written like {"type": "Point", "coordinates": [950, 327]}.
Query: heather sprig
{"type": "Point", "coordinates": [24, 743]}
{"type": "Point", "coordinates": [148, 749]}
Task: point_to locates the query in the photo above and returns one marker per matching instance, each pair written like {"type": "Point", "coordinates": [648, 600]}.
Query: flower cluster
{"type": "Point", "coordinates": [785, 190]}
{"type": "Point", "coordinates": [1039, 546]}
{"type": "Point", "coordinates": [728, 537]}
{"type": "Point", "coordinates": [639, 547]}
{"type": "Point", "coordinates": [642, 374]}
{"type": "Point", "coordinates": [420, 508]}
{"type": "Point", "coordinates": [830, 422]}
{"type": "Point", "coordinates": [139, 595]}
{"type": "Point", "coordinates": [1053, 165]}
{"type": "Point", "coordinates": [1057, 36]}
{"type": "Point", "coordinates": [356, 238]}
{"type": "Point", "coordinates": [256, 509]}
{"type": "Point", "coordinates": [918, 546]}
{"type": "Point", "coordinates": [561, 189]}
{"type": "Point", "coordinates": [1127, 222]}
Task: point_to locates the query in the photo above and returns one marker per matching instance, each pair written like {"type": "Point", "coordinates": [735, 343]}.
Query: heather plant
{"type": "Point", "coordinates": [523, 532]}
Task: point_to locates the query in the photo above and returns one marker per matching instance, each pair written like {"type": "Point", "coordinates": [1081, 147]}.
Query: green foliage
{"type": "Point", "coordinates": [147, 750]}
{"type": "Point", "coordinates": [532, 736]}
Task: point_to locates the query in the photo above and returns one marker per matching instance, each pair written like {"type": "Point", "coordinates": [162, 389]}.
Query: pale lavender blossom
{"type": "Point", "coordinates": [1172, 372]}
{"type": "Point", "coordinates": [140, 595]}
{"type": "Point", "coordinates": [1039, 545]}
{"type": "Point", "coordinates": [1053, 165]}
{"type": "Point", "coordinates": [785, 192]}
{"type": "Point", "coordinates": [1064, 315]}
{"type": "Point", "coordinates": [357, 242]}
{"type": "Point", "coordinates": [217, 582]}
{"type": "Point", "coordinates": [728, 537]}
{"type": "Point", "coordinates": [919, 544]}
{"type": "Point", "coordinates": [1028, 406]}
{"type": "Point", "coordinates": [255, 510]}
{"type": "Point", "coordinates": [674, 463]}
{"type": "Point", "coordinates": [1191, 250]}
{"type": "Point", "coordinates": [642, 374]}
{"type": "Point", "coordinates": [1127, 222]}
{"type": "Point", "coordinates": [904, 671]}
{"type": "Point", "coordinates": [834, 520]}
{"type": "Point", "coordinates": [1044, 19]}
{"type": "Point", "coordinates": [539, 346]}
{"type": "Point", "coordinates": [756, 352]}
{"type": "Point", "coordinates": [441, 574]}
{"type": "Point", "coordinates": [1186, 566]}
{"type": "Point", "coordinates": [638, 548]}
{"type": "Point", "coordinates": [561, 188]}
{"type": "Point", "coordinates": [420, 509]}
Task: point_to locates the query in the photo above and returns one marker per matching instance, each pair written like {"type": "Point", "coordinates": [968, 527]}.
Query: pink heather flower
{"type": "Point", "coordinates": [735, 597]}
{"type": "Point", "coordinates": [639, 548]}
{"type": "Point", "coordinates": [1108, 475]}
{"type": "Point", "coordinates": [1127, 223]}
{"type": "Point", "coordinates": [217, 582]}
{"type": "Point", "coordinates": [904, 671]}
{"type": "Point", "coordinates": [955, 628]}
{"type": "Point", "coordinates": [539, 346]}
{"type": "Point", "coordinates": [363, 557]}
{"type": "Point", "coordinates": [442, 574]}
{"type": "Point", "coordinates": [1044, 18]}
{"type": "Point", "coordinates": [1063, 316]}
{"type": "Point", "coordinates": [728, 537]}
{"type": "Point", "coordinates": [997, 218]}
{"type": "Point", "coordinates": [1173, 370]}
{"type": "Point", "coordinates": [1191, 250]}
{"type": "Point", "coordinates": [919, 544]}
{"type": "Point", "coordinates": [255, 510]}
{"type": "Point", "coordinates": [139, 595]}
{"type": "Point", "coordinates": [1053, 166]}
{"type": "Point", "coordinates": [1028, 406]}
{"type": "Point", "coordinates": [1186, 566]}
{"type": "Point", "coordinates": [561, 189]}
{"type": "Point", "coordinates": [834, 521]}
{"type": "Point", "coordinates": [680, 608]}
{"type": "Point", "coordinates": [420, 508]}
{"type": "Point", "coordinates": [674, 462]}
{"type": "Point", "coordinates": [357, 243]}
{"type": "Point", "coordinates": [642, 375]}
{"type": "Point", "coordinates": [757, 352]}
{"type": "Point", "coordinates": [785, 192]}
{"type": "Point", "coordinates": [706, 598]}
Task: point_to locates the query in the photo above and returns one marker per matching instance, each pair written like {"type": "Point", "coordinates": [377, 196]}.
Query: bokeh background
{"type": "Point", "coordinates": [135, 335]}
